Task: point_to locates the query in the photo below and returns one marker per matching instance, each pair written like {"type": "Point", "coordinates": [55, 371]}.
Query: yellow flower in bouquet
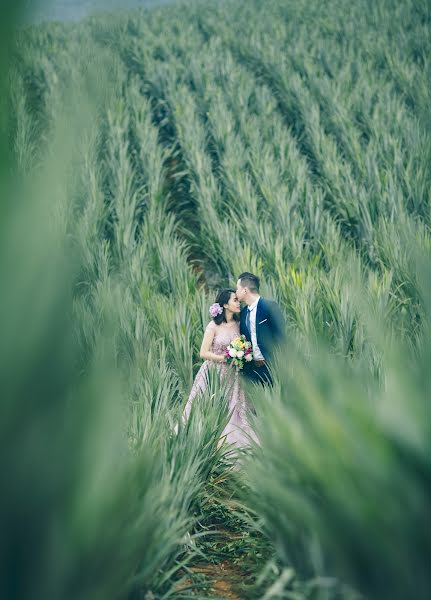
{"type": "Point", "coordinates": [239, 352]}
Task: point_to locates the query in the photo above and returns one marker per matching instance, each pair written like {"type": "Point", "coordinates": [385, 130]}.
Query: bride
{"type": "Point", "coordinates": [220, 331]}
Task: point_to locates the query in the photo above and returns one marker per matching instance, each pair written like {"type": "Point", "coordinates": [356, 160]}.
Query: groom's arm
{"type": "Point", "coordinates": [277, 322]}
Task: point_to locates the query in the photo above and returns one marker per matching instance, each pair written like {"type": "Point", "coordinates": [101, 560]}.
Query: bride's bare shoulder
{"type": "Point", "coordinates": [211, 326]}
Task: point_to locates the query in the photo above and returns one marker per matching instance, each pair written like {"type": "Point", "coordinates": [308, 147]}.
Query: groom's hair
{"type": "Point", "coordinates": [252, 282]}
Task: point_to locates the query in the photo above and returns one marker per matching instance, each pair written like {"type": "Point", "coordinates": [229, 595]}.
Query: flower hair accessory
{"type": "Point", "coordinates": [215, 309]}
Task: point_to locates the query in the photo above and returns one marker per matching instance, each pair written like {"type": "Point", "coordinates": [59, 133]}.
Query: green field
{"type": "Point", "coordinates": [147, 158]}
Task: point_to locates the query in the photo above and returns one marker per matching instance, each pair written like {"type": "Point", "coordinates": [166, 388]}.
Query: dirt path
{"type": "Point", "coordinates": [222, 578]}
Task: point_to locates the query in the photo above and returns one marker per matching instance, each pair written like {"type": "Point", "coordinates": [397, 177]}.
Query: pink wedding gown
{"type": "Point", "coordinates": [237, 431]}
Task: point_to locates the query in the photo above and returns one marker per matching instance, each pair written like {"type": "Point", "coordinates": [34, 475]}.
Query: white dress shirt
{"type": "Point", "coordinates": [257, 354]}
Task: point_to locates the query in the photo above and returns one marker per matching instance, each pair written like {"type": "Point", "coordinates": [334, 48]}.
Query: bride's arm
{"type": "Point", "coordinates": [205, 351]}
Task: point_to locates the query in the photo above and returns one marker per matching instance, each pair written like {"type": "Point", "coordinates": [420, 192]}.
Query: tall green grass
{"type": "Point", "coordinates": [153, 156]}
{"type": "Point", "coordinates": [342, 478]}
{"type": "Point", "coordinates": [101, 498]}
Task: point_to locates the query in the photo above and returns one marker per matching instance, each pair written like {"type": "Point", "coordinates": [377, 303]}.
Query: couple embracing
{"type": "Point", "coordinates": [261, 322]}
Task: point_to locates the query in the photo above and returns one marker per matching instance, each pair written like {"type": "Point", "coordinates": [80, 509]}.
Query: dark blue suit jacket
{"type": "Point", "coordinates": [270, 330]}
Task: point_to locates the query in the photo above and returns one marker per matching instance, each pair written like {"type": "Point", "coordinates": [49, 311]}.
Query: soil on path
{"type": "Point", "coordinates": [223, 577]}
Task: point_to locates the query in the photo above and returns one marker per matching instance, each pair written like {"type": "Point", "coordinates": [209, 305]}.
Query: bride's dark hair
{"type": "Point", "coordinates": [223, 298]}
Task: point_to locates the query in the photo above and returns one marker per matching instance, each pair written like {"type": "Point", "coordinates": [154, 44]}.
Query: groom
{"type": "Point", "coordinates": [262, 323]}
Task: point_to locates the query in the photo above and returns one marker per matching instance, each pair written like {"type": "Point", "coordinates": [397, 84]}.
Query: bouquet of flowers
{"type": "Point", "coordinates": [239, 352]}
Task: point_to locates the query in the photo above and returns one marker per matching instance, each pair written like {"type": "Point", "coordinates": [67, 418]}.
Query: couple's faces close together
{"type": "Point", "coordinates": [241, 291]}
{"type": "Point", "coordinates": [234, 301]}
{"type": "Point", "coordinates": [233, 305]}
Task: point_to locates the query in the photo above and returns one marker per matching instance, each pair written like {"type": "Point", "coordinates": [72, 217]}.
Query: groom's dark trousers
{"type": "Point", "coordinates": [259, 373]}
{"type": "Point", "coordinates": [270, 334]}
